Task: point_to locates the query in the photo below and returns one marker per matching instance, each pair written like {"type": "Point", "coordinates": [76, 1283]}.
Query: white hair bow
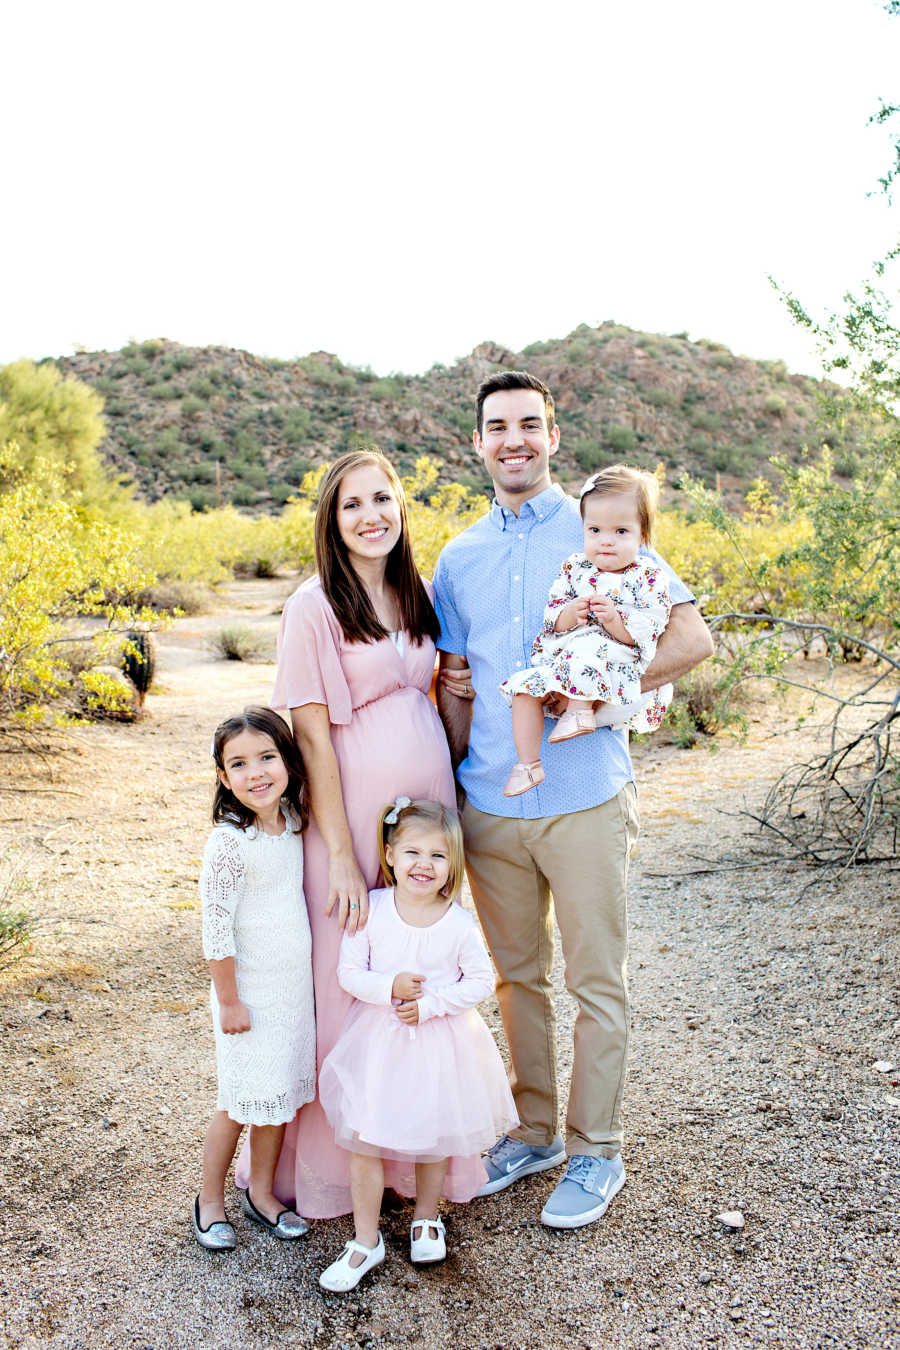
{"type": "Point", "coordinates": [394, 814]}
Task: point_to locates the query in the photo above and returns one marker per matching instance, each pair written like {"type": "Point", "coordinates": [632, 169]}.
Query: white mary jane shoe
{"type": "Point", "coordinates": [424, 1249]}
{"type": "Point", "coordinates": [340, 1277]}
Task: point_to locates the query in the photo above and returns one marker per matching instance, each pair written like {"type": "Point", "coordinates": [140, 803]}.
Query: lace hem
{"type": "Point", "coordinates": [277, 1110]}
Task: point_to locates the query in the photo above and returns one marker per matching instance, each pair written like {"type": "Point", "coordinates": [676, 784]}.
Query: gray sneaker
{"type": "Point", "coordinates": [584, 1192]}
{"type": "Point", "coordinates": [510, 1159]}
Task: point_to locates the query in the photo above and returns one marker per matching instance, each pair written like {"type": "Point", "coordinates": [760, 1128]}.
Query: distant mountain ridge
{"type": "Point", "coordinates": [214, 424]}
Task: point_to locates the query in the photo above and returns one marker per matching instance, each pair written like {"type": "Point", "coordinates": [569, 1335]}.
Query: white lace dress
{"type": "Point", "coordinates": [251, 888]}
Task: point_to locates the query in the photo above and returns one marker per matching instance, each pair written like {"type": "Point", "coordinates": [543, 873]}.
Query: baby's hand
{"type": "Point", "coordinates": [572, 615]}
{"type": "Point", "coordinates": [234, 1018]}
{"type": "Point", "coordinates": [408, 1013]}
{"type": "Point", "coordinates": [603, 608]}
{"type": "Point", "coordinates": [407, 985]}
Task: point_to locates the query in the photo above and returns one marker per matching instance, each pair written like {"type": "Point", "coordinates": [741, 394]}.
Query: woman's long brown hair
{"type": "Point", "coordinates": [343, 589]}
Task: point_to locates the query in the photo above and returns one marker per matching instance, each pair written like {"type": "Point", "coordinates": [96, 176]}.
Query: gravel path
{"type": "Point", "coordinates": [760, 1012]}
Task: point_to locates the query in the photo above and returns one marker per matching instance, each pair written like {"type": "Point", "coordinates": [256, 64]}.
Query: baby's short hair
{"type": "Point", "coordinates": [619, 479]}
{"type": "Point", "coordinates": [404, 813]}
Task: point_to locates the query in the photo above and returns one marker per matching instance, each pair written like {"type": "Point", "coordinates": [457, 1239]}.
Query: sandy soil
{"type": "Point", "coordinates": [760, 1012]}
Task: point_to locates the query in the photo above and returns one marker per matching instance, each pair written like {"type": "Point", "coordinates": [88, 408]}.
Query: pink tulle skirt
{"type": "Point", "coordinates": [416, 1094]}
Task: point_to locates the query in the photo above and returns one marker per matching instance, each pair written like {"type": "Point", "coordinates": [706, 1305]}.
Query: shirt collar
{"type": "Point", "coordinates": [545, 504]}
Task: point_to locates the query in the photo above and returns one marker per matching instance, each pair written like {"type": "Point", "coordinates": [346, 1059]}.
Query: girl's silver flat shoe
{"type": "Point", "coordinates": [218, 1237]}
{"type": "Point", "coordinates": [287, 1226]}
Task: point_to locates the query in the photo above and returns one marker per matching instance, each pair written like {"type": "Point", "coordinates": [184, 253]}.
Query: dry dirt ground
{"type": "Point", "coordinates": [760, 1013]}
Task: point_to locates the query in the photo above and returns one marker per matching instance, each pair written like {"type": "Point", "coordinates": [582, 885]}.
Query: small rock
{"type": "Point", "coordinates": [884, 1066]}
{"type": "Point", "coordinates": [731, 1218]}
{"type": "Point", "coordinates": [832, 1113]}
{"type": "Point", "coordinates": [705, 1278]}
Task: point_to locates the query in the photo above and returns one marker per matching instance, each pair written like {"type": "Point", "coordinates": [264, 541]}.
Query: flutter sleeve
{"type": "Point", "coordinates": [309, 661]}
{"type": "Point", "coordinates": [221, 882]}
{"type": "Point", "coordinates": [354, 972]}
{"type": "Point", "coordinates": [644, 606]}
{"type": "Point", "coordinates": [474, 982]}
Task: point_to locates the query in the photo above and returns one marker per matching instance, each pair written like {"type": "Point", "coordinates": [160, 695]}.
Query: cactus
{"type": "Point", "coordinates": [139, 662]}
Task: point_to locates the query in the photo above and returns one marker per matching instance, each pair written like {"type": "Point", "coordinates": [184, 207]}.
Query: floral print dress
{"type": "Point", "coordinates": [585, 662]}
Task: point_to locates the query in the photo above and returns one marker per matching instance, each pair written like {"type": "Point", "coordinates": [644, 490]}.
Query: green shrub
{"type": "Point", "coordinates": [706, 421]}
{"type": "Point", "coordinates": [591, 456]}
{"type": "Point", "coordinates": [660, 398]}
{"type": "Point", "coordinates": [775, 403]}
{"type": "Point", "coordinates": [723, 359]}
{"type": "Point", "coordinates": [191, 407]}
{"type": "Point", "coordinates": [385, 389]}
{"type": "Point", "coordinates": [202, 498]}
{"type": "Point", "coordinates": [203, 388]}
{"type": "Point", "coordinates": [244, 495]}
{"type": "Point", "coordinates": [297, 425]}
{"type": "Point", "coordinates": [621, 439]}
{"type": "Point", "coordinates": [578, 353]}
{"type": "Point", "coordinates": [254, 475]}
{"type": "Point", "coordinates": [239, 642]}
{"type": "Point", "coordinates": [199, 473]}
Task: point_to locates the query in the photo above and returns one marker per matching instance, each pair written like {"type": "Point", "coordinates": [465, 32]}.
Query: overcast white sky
{"type": "Point", "coordinates": [397, 182]}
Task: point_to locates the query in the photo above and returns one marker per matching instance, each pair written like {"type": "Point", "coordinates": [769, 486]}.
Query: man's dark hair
{"type": "Point", "coordinates": [513, 379]}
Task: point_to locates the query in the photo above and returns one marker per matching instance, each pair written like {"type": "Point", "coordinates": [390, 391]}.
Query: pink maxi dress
{"type": "Point", "coordinates": [388, 740]}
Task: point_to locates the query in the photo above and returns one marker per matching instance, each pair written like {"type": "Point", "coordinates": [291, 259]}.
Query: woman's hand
{"type": "Point", "coordinates": [347, 889]}
{"type": "Point", "coordinates": [408, 1013]}
{"type": "Point", "coordinates": [457, 681]}
{"type": "Point", "coordinates": [573, 615]}
{"type": "Point", "coordinates": [234, 1017]}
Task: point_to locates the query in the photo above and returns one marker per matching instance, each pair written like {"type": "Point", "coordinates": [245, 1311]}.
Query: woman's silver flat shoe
{"type": "Point", "coordinates": [218, 1237]}
{"type": "Point", "coordinates": [287, 1226]}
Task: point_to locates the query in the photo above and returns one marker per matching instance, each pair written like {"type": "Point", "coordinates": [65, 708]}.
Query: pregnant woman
{"type": "Point", "coordinates": [355, 661]}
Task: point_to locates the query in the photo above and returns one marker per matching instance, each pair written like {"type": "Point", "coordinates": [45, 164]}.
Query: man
{"type": "Point", "coordinates": [572, 835]}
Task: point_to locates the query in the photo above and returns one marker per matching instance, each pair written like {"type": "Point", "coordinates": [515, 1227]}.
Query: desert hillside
{"type": "Point", "coordinates": [217, 425]}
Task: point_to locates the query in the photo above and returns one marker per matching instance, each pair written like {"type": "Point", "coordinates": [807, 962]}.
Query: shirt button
{"type": "Point", "coordinates": [517, 618]}
{"type": "Point", "coordinates": [517, 578]}
{"type": "Point", "coordinates": [519, 664]}
{"type": "Point", "coordinates": [521, 536]}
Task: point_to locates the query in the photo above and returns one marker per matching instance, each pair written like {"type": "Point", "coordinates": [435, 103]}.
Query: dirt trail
{"type": "Point", "coordinates": [759, 1014]}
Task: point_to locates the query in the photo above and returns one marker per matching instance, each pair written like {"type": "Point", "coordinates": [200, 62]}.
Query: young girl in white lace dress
{"type": "Point", "coordinates": [604, 615]}
{"type": "Point", "coordinates": [257, 941]}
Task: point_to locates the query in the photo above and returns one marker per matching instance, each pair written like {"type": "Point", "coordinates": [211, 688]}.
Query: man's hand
{"type": "Point", "coordinates": [573, 615]}
{"type": "Point", "coordinates": [234, 1018]}
{"type": "Point", "coordinates": [408, 1013]}
{"type": "Point", "coordinates": [406, 985]}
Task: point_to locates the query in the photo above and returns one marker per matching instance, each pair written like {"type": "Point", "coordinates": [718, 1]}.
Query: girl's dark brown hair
{"type": "Point", "coordinates": [226, 807]}
{"type": "Point", "coordinates": [342, 587]}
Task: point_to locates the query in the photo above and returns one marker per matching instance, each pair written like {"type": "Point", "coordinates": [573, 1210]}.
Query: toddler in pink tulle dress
{"type": "Point", "coordinates": [415, 1075]}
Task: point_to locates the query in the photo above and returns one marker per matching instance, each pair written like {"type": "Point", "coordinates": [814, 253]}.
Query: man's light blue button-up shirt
{"type": "Point", "coordinates": [491, 586]}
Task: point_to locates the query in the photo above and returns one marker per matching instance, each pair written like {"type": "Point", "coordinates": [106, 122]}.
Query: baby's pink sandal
{"type": "Point", "coordinates": [523, 778]}
{"type": "Point", "coordinates": [574, 722]}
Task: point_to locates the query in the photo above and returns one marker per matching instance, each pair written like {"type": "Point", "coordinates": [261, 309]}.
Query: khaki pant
{"type": "Point", "coordinates": [582, 858]}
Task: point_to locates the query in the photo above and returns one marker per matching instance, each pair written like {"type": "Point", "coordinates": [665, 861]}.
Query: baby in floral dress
{"type": "Point", "coordinates": [606, 611]}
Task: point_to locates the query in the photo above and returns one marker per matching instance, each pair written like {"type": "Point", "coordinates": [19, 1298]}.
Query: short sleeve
{"type": "Point", "coordinates": [452, 637]}
{"type": "Point", "coordinates": [309, 656]}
